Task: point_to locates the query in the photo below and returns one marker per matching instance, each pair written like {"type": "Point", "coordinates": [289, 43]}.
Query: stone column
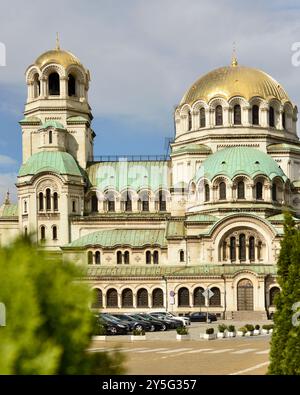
{"type": "Point", "coordinates": [226, 113]}
{"type": "Point", "coordinates": [195, 120]}
{"type": "Point", "coordinates": [44, 87]}
{"type": "Point", "coordinates": [246, 115]}
{"type": "Point", "coordinates": [264, 116]}
{"type": "Point", "coordinates": [119, 300]}
{"type": "Point", "coordinates": [64, 86]}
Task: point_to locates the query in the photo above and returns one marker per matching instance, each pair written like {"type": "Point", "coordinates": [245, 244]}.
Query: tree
{"type": "Point", "coordinates": [49, 324]}
{"type": "Point", "coordinates": [289, 283]}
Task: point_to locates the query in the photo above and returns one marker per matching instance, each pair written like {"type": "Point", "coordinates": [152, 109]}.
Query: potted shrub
{"type": "Point", "coordinates": [209, 334]}
{"type": "Point", "coordinates": [182, 333]}
{"type": "Point", "coordinates": [256, 330]}
{"type": "Point", "coordinates": [265, 329]}
{"type": "Point", "coordinates": [231, 331]}
{"type": "Point", "coordinates": [221, 331]}
{"type": "Point", "coordinates": [241, 331]}
{"type": "Point", "coordinates": [271, 327]}
{"type": "Point", "coordinates": [99, 331]}
{"type": "Point", "coordinates": [250, 330]}
{"type": "Point", "coordinates": [138, 335]}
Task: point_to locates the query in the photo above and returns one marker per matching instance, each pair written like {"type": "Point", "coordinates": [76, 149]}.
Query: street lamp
{"type": "Point", "coordinates": [166, 285]}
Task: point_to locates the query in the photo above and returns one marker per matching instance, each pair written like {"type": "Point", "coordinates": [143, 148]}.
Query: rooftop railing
{"type": "Point", "coordinates": [128, 158]}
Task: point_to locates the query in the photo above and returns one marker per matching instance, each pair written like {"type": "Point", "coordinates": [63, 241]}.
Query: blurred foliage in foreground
{"type": "Point", "coordinates": [48, 322]}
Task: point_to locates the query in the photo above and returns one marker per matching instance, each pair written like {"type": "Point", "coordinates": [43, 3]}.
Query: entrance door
{"type": "Point", "coordinates": [245, 295]}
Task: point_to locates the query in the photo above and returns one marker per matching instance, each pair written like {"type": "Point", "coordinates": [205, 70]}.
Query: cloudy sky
{"type": "Point", "coordinates": [142, 56]}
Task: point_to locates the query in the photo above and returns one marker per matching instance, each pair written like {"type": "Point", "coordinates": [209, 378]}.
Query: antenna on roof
{"type": "Point", "coordinates": [234, 61]}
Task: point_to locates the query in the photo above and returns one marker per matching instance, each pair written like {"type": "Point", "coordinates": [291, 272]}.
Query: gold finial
{"type": "Point", "coordinates": [234, 61]}
{"type": "Point", "coordinates": [57, 42]}
{"type": "Point", "coordinates": [7, 201]}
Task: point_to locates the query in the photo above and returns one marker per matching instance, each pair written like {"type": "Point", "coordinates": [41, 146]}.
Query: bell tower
{"type": "Point", "coordinates": [57, 113]}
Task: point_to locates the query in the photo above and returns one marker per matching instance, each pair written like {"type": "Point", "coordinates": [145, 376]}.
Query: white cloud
{"type": "Point", "coordinates": [7, 183]}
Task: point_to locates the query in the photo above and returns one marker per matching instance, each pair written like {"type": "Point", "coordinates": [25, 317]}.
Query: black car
{"type": "Point", "coordinates": [113, 326]}
{"type": "Point", "coordinates": [133, 323]}
{"type": "Point", "coordinates": [142, 321]}
{"type": "Point", "coordinates": [159, 324]}
{"type": "Point", "coordinates": [170, 322]}
{"type": "Point", "coordinates": [200, 316]}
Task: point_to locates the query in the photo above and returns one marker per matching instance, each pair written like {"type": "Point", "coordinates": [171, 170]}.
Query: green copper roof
{"type": "Point", "coordinates": [283, 147]}
{"type": "Point", "coordinates": [58, 162]}
{"type": "Point", "coordinates": [9, 210]}
{"type": "Point", "coordinates": [53, 124]}
{"type": "Point", "coordinates": [178, 271]}
{"type": "Point", "coordinates": [77, 119]}
{"type": "Point", "coordinates": [202, 218]}
{"type": "Point", "coordinates": [110, 238]}
{"type": "Point", "coordinates": [296, 183]}
{"type": "Point", "coordinates": [134, 175]}
{"type": "Point", "coordinates": [280, 217]}
{"type": "Point", "coordinates": [29, 120]}
{"type": "Point", "coordinates": [239, 160]}
{"type": "Point", "coordinates": [191, 148]}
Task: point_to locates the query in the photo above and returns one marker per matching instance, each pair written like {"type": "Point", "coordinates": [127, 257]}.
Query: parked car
{"type": "Point", "coordinates": [160, 325]}
{"type": "Point", "coordinates": [142, 320]}
{"type": "Point", "coordinates": [186, 320]}
{"type": "Point", "coordinates": [200, 316]}
{"type": "Point", "coordinates": [113, 327]}
{"type": "Point", "coordinates": [133, 323]}
{"type": "Point", "coordinates": [171, 323]}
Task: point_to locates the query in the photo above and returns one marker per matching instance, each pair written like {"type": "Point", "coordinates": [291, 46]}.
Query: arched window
{"type": "Point", "coordinates": [207, 193]}
{"type": "Point", "coordinates": [111, 206]}
{"type": "Point", "coordinates": [119, 257]}
{"type": "Point", "coordinates": [53, 84]}
{"type": "Point", "coordinates": [73, 206]}
{"type": "Point", "coordinates": [43, 233]}
{"type": "Point", "coordinates": [202, 118]}
{"type": "Point", "coordinates": [222, 191]}
{"type": "Point", "coordinates": [219, 115]}
{"type": "Point", "coordinates": [142, 298]}
{"type": "Point", "coordinates": [97, 258]}
{"type": "Point", "coordinates": [25, 207]}
{"type": "Point", "coordinates": [55, 201]}
{"type": "Point", "coordinates": [112, 298]}
{"type": "Point", "coordinates": [148, 257]}
{"type": "Point", "coordinates": [242, 247]}
{"type": "Point", "coordinates": [157, 298]}
{"type": "Point", "coordinates": [181, 256]}
{"type": "Point", "coordinates": [274, 192]}
{"type": "Point", "coordinates": [126, 257]}
{"type": "Point", "coordinates": [259, 248]}
{"type": "Point", "coordinates": [232, 248]}
{"type": "Point", "coordinates": [283, 120]}
{"type": "Point", "coordinates": [71, 85]}
{"type": "Point", "coordinates": [237, 116]}
{"type": "Point", "coordinates": [155, 257]}
{"type": "Point", "coordinates": [271, 117]}
{"type": "Point", "coordinates": [94, 204]}
{"type": "Point", "coordinates": [36, 85]}
{"type": "Point", "coordinates": [255, 115]}
{"type": "Point", "coordinates": [41, 201]}
{"type": "Point", "coordinates": [189, 121]}
{"type": "Point", "coordinates": [224, 250]}
{"type": "Point", "coordinates": [162, 201]}
{"type": "Point", "coordinates": [90, 258]}
{"type": "Point", "coordinates": [183, 297]}
{"type": "Point", "coordinates": [127, 298]}
{"type": "Point", "coordinates": [251, 248]}
{"type": "Point", "coordinates": [25, 231]}
{"type": "Point", "coordinates": [97, 299]}
{"type": "Point", "coordinates": [128, 202]}
{"type": "Point", "coordinates": [198, 297]}
{"type": "Point", "coordinates": [241, 190]}
{"type": "Point", "coordinates": [144, 201]}
{"type": "Point", "coordinates": [54, 233]}
{"type": "Point", "coordinates": [50, 136]}
{"type": "Point", "coordinates": [274, 291]}
{"type": "Point", "coordinates": [48, 199]}
{"type": "Point", "coordinates": [215, 300]}
{"type": "Point", "coordinates": [259, 190]}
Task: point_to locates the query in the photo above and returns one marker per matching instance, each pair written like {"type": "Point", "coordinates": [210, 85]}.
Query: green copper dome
{"type": "Point", "coordinates": [58, 162]}
{"type": "Point", "coordinates": [53, 124]}
{"type": "Point", "coordinates": [239, 160]}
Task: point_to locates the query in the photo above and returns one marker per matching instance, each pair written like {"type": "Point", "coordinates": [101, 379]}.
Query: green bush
{"type": "Point", "coordinates": [210, 331]}
{"type": "Point", "coordinates": [268, 326]}
{"type": "Point", "coordinates": [99, 328]}
{"type": "Point", "coordinates": [249, 327]}
{"type": "Point", "coordinates": [257, 327]}
{"type": "Point", "coordinates": [182, 330]}
{"type": "Point", "coordinates": [222, 328]}
{"type": "Point", "coordinates": [137, 332]}
{"type": "Point", "coordinates": [243, 329]}
{"type": "Point", "coordinates": [231, 328]}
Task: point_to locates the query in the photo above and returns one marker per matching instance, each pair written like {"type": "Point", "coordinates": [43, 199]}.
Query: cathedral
{"type": "Point", "coordinates": [157, 232]}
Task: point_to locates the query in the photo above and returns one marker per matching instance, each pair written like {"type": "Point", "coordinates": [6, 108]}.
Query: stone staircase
{"type": "Point", "coordinates": [247, 315]}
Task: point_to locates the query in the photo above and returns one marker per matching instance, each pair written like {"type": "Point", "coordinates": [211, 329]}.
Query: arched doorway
{"type": "Point", "coordinates": [245, 295]}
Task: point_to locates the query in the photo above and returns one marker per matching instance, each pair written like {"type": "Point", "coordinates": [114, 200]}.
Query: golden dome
{"type": "Point", "coordinates": [234, 80]}
{"type": "Point", "coordinates": [64, 58]}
